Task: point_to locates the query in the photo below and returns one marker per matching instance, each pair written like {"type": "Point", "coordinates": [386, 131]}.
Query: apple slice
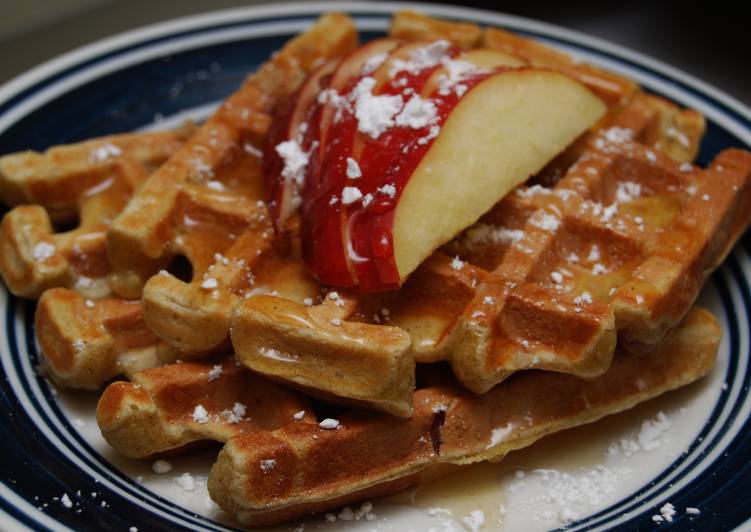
{"type": "Point", "coordinates": [405, 156]}
{"type": "Point", "coordinates": [282, 189]}
{"type": "Point", "coordinates": [504, 130]}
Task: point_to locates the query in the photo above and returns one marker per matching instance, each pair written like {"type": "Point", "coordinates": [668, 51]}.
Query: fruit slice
{"type": "Point", "coordinates": [505, 129]}
{"type": "Point", "coordinates": [408, 151]}
{"type": "Point", "coordinates": [283, 189]}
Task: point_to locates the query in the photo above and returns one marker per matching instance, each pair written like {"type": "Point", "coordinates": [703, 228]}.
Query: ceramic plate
{"type": "Point", "coordinates": [690, 448]}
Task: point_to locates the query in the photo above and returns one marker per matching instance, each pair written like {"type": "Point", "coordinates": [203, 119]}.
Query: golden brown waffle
{"type": "Point", "coordinates": [142, 240]}
{"type": "Point", "coordinates": [167, 408]}
{"type": "Point", "coordinates": [492, 308]}
{"type": "Point", "coordinates": [262, 477]}
{"type": "Point", "coordinates": [86, 343]}
{"type": "Point", "coordinates": [89, 182]}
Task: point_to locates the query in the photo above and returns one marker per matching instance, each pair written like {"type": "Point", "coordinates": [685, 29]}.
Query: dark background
{"type": "Point", "coordinates": [709, 40]}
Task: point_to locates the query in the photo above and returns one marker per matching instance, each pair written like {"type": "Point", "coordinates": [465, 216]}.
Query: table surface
{"type": "Point", "coordinates": [709, 44]}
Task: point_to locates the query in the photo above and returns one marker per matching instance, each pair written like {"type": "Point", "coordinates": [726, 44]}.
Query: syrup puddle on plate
{"type": "Point", "coordinates": [531, 489]}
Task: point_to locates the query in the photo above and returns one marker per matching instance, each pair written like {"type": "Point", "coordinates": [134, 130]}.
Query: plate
{"type": "Point", "coordinates": [691, 448]}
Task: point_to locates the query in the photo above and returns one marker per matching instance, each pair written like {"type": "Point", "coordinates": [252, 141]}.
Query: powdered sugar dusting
{"type": "Point", "coordinates": [375, 114]}
{"type": "Point", "coordinates": [653, 434]}
{"type": "Point", "coordinates": [417, 113]}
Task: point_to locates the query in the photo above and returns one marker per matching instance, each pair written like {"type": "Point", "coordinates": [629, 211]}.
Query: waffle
{"type": "Point", "coordinates": [88, 183]}
{"type": "Point", "coordinates": [170, 407]}
{"type": "Point", "coordinates": [86, 343]}
{"type": "Point", "coordinates": [262, 478]}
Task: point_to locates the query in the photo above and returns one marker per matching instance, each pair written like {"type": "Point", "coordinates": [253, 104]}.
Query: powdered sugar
{"type": "Point", "coordinates": [373, 63]}
{"type": "Point", "coordinates": [375, 114]}
{"type": "Point", "coordinates": [350, 195]}
{"type": "Point", "coordinates": [353, 169]}
{"type": "Point", "coordinates": [652, 435]}
{"type": "Point", "coordinates": [456, 71]}
{"type": "Point", "coordinates": [387, 190]}
{"type": "Point", "coordinates": [591, 487]}
{"type": "Point", "coordinates": [295, 160]}
{"type": "Point", "coordinates": [268, 464]}
{"type": "Point", "coordinates": [421, 58]}
{"type": "Point", "coordinates": [546, 221]}
{"type": "Point", "coordinates": [200, 415]}
{"type": "Point", "coordinates": [161, 467]}
{"type": "Point", "coordinates": [236, 414]}
{"type": "Point", "coordinates": [104, 152]}
{"type": "Point", "coordinates": [499, 434]}
{"type": "Point", "coordinates": [481, 233]}
{"type": "Point", "coordinates": [417, 113]}
{"type": "Point", "coordinates": [214, 373]}
{"type": "Point", "coordinates": [474, 520]}
{"type": "Point", "coordinates": [627, 191]}
{"type": "Point", "coordinates": [667, 512]}
{"type": "Point", "coordinates": [43, 251]}
{"type": "Point", "coordinates": [329, 424]}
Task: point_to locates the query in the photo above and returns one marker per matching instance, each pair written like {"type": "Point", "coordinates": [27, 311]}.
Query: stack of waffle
{"type": "Point", "coordinates": [175, 279]}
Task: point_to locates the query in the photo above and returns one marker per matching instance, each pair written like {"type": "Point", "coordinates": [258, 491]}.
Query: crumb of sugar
{"type": "Point", "coordinates": [350, 195]}
{"type": "Point", "coordinates": [329, 424]}
{"type": "Point", "coordinates": [499, 434]}
{"type": "Point", "coordinates": [209, 283]}
{"type": "Point", "coordinates": [375, 114]}
{"type": "Point", "coordinates": [186, 481]}
{"type": "Point", "coordinates": [104, 152]}
{"type": "Point", "coordinates": [235, 414]}
{"type": "Point", "coordinates": [547, 222]}
{"type": "Point", "coordinates": [161, 466]}
{"type": "Point", "coordinates": [481, 233]}
{"type": "Point", "coordinates": [65, 501]}
{"type": "Point", "coordinates": [667, 512]}
{"type": "Point", "coordinates": [43, 251]}
{"type": "Point", "coordinates": [353, 169]}
{"type": "Point", "coordinates": [215, 372]}
{"type": "Point", "coordinates": [200, 415]}
{"type": "Point", "coordinates": [374, 62]}
{"type": "Point", "coordinates": [268, 464]}
{"type": "Point", "coordinates": [627, 191]}
{"type": "Point", "coordinates": [417, 113]}
{"type": "Point", "coordinates": [387, 190]}
{"type": "Point", "coordinates": [474, 520]}
{"type": "Point", "coordinates": [295, 160]}
{"type": "Point", "coordinates": [336, 298]}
